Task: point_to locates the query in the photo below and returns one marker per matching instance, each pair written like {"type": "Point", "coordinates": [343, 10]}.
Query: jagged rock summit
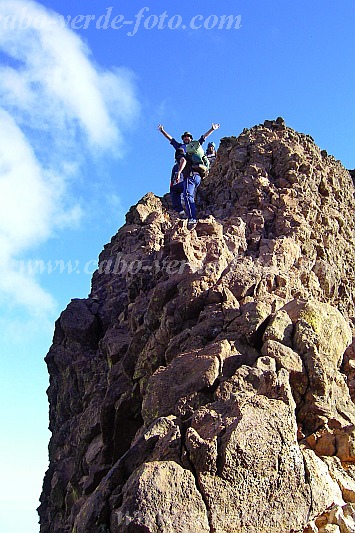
{"type": "Point", "coordinates": [207, 382]}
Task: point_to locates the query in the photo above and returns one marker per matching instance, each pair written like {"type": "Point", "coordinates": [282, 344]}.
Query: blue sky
{"type": "Point", "coordinates": [80, 101]}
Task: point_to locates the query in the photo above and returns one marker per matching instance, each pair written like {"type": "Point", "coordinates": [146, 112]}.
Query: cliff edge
{"type": "Point", "coordinates": [207, 382]}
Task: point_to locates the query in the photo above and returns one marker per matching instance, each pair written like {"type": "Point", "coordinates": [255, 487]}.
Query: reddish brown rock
{"type": "Point", "coordinates": [203, 384]}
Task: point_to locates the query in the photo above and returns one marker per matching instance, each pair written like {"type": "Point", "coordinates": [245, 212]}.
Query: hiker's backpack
{"type": "Point", "coordinates": [197, 158]}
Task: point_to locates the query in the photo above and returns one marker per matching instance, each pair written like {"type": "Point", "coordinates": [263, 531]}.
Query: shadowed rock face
{"type": "Point", "coordinates": [202, 386]}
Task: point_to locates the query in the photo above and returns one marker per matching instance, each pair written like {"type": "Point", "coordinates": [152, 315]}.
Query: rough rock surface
{"type": "Point", "coordinates": [207, 382]}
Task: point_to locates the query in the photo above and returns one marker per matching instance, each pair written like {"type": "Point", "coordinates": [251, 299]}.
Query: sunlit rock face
{"type": "Point", "coordinates": [206, 383]}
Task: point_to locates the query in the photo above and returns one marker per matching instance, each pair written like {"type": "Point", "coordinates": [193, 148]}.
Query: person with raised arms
{"type": "Point", "coordinates": [192, 177]}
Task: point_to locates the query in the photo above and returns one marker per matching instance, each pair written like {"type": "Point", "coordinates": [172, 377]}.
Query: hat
{"type": "Point", "coordinates": [185, 134]}
{"type": "Point", "coordinates": [211, 144]}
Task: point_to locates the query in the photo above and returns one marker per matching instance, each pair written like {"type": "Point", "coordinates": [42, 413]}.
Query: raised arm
{"type": "Point", "coordinates": [211, 130]}
{"type": "Point", "coordinates": [166, 135]}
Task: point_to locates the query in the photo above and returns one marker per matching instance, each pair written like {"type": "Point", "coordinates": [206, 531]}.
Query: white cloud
{"type": "Point", "coordinates": [28, 195]}
{"type": "Point", "coordinates": [19, 288]}
{"type": "Point", "coordinates": [54, 102]}
{"type": "Point", "coordinates": [55, 63]}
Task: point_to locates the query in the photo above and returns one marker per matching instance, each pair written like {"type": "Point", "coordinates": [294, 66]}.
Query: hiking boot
{"type": "Point", "coordinates": [191, 223]}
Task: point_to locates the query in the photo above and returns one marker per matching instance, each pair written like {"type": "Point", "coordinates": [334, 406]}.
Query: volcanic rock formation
{"type": "Point", "coordinates": [207, 382]}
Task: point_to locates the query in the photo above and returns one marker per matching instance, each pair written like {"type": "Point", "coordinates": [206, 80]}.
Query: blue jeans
{"type": "Point", "coordinates": [190, 186]}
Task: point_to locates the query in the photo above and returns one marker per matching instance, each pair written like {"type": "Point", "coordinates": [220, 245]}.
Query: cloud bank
{"type": "Point", "coordinates": [55, 104]}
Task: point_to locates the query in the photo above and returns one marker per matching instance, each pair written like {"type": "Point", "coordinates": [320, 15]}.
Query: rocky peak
{"type": "Point", "coordinates": [210, 373]}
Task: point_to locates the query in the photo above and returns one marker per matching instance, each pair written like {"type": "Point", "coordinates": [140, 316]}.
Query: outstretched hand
{"type": "Point", "coordinates": [166, 135]}
{"type": "Point", "coordinates": [216, 126]}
